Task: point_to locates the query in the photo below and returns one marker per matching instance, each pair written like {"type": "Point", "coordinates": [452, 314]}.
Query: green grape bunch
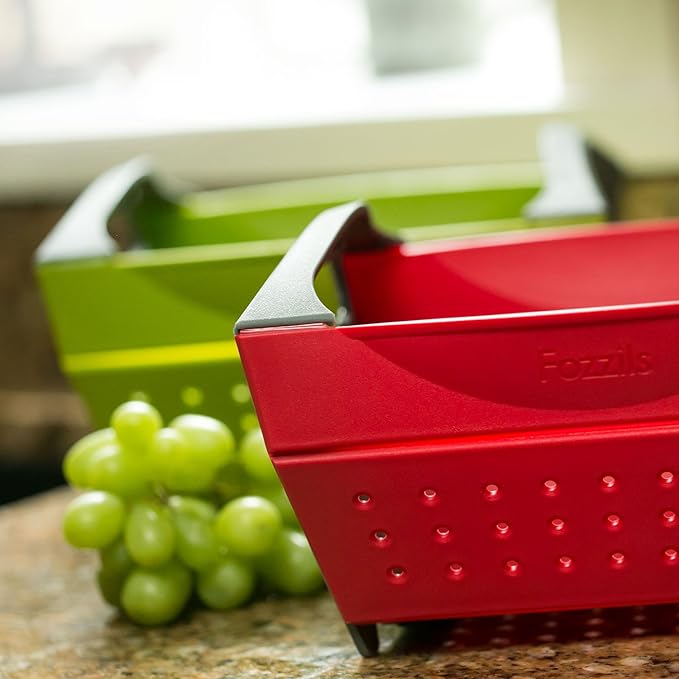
{"type": "Point", "coordinates": [181, 509]}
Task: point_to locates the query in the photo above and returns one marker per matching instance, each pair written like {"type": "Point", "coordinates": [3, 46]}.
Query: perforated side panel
{"type": "Point", "coordinates": [517, 524]}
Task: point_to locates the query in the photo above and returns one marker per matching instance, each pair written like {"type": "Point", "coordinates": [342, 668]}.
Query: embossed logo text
{"type": "Point", "coordinates": [623, 362]}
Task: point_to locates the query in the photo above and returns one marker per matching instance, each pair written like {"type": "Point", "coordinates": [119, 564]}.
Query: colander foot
{"type": "Point", "coordinates": [365, 638]}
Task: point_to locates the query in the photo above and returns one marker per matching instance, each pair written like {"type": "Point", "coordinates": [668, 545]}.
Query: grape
{"type": "Point", "coordinates": [135, 423]}
{"type": "Point", "coordinates": [77, 459]}
{"type": "Point", "coordinates": [227, 584]}
{"type": "Point", "coordinates": [231, 481]}
{"type": "Point", "coordinates": [93, 520]}
{"type": "Point", "coordinates": [110, 586]}
{"type": "Point", "coordinates": [149, 534]}
{"type": "Point", "coordinates": [176, 466]}
{"type": "Point", "coordinates": [116, 564]}
{"type": "Point", "coordinates": [290, 566]}
{"type": "Point", "coordinates": [192, 507]}
{"type": "Point", "coordinates": [118, 471]}
{"type": "Point", "coordinates": [116, 558]}
{"type": "Point", "coordinates": [197, 545]}
{"type": "Point", "coordinates": [255, 459]}
{"type": "Point", "coordinates": [248, 525]}
{"type": "Point", "coordinates": [156, 596]}
{"type": "Point", "coordinates": [276, 495]}
{"type": "Point", "coordinates": [209, 439]}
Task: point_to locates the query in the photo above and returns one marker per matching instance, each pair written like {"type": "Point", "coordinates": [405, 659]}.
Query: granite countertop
{"type": "Point", "coordinates": [53, 624]}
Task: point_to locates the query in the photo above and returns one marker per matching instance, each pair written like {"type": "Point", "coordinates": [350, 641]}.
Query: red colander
{"type": "Point", "coordinates": [488, 426]}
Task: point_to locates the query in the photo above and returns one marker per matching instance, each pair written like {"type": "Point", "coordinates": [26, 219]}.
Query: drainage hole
{"type": "Point", "coordinates": [666, 479]}
{"type": "Point", "coordinates": [565, 563]}
{"type": "Point", "coordinates": [550, 487]}
{"type": "Point", "coordinates": [397, 574]}
{"type": "Point", "coordinates": [363, 500]}
{"type": "Point", "coordinates": [442, 534]}
{"type": "Point", "coordinates": [502, 528]}
{"type": "Point", "coordinates": [512, 567]}
{"type": "Point", "coordinates": [192, 397]}
{"type": "Point", "coordinates": [381, 538]}
{"type": "Point", "coordinates": [491, 491]}
{"type": "Point", "coordinates": [558, 526]}
{"type": "Point", "coordinates": [429, 494]}
{"type": "Point", "coordinates": [608, 482]}
{"type": "Point", "coordinates": [455, 570]}
{"type": "Point", "coordinates": [617, 559]}
{"type": "Point", "coordinates": [613, 521]}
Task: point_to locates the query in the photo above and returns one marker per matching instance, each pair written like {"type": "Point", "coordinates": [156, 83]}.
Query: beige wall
{"type": "Point", "coordinates": [609, 42]}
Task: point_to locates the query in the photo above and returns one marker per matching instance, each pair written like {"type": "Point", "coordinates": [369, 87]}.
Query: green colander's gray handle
{"type": "Point", "coordinates": [82, 232]}
{"type": "Point", "coordinates": [288, 296]}
{"type": "Point", "coordinates": [579, 180]}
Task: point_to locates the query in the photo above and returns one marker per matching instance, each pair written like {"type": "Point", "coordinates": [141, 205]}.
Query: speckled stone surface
{"type": "Point", "coordinates": [53, 624]}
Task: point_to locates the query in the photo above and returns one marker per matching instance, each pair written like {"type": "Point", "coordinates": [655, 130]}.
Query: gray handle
{"type": "Point", "coordinates": [82, 232]}
{"type": "Point", "coordinates": [574, 183]}
{"type": "Point", "coordinates": [288, 296]}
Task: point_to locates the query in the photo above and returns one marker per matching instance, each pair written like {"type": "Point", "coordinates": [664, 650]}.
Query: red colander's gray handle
{"type": "Point", "coordinates": [288, 296]}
